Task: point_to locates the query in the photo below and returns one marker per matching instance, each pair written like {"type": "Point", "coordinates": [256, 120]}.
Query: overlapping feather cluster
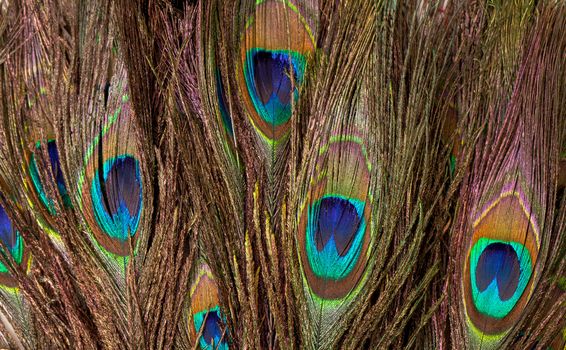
{"type": "Point", "coordinates": [282, 174]}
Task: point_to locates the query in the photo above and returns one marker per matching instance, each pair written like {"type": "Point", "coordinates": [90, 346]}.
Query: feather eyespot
{"type": "Point", "coordinates": [334, 224]}
{"type": "Point", "coordinates": [500, 267]}
{"type": "Point", "coordinates": [111, 186]}
{"type": "Point", "coordinates": [274, 52]}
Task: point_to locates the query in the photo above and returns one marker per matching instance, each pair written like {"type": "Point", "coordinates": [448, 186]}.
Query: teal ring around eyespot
{"type": "Point", "coordinates": [327, 264]}
{"type": "Point", "coordinates": [487, 302]}
{"type": "Point", "coordinates": [283, 115]}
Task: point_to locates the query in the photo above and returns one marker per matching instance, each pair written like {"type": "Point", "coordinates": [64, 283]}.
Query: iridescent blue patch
{"type": "Point", "coordinates": [499, 272]}
{"type": "Point", "coordinates": [11, 239]}
{"type": "Point", "coordinates": [213, 336]}
{"type": "Point", "coordinates": [335, 233]}
{"type": "Point", "coordinates": [6, 230]}
{"type": "Point", "coordinates": [117, 197]}
{"type": "Point", "coordinates": [498, 262]}
{"type": "Point", "coordinates": [268, 77]}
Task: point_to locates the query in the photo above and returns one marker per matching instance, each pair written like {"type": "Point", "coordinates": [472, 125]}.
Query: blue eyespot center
{"type": "Point", "coordinates": [211, 323]}
{"type": "Point", "coordinates": [117, 200]}
{"type": "Point", "coordinates": [499, 272]}
{"type": "Point", "coordinates": [212, 329]}
{"type": "Point", "coordinates": [335, 233]}
{"type": "Point", "coordinates": [268, 76]}
{"type": "Point", "coordinates": [499, 261]}
{"type": "Point", "coordinates": [338, 219]}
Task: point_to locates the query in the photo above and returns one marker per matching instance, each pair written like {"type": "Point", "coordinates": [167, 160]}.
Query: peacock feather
{"type": "Point", "coordinates": [111, 185]}
{"type": "Point", "coordinates": [500, 268]}
{"type": "Point", "coordinates": [334, 232]}
{"type": "Point", "coordinates": [506, 211]}
{"type": "Point", "coordinates": [334, 224]}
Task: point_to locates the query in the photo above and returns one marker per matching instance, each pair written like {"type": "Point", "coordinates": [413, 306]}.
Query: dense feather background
{"type": "Point", "coordinates": [282, 174]}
